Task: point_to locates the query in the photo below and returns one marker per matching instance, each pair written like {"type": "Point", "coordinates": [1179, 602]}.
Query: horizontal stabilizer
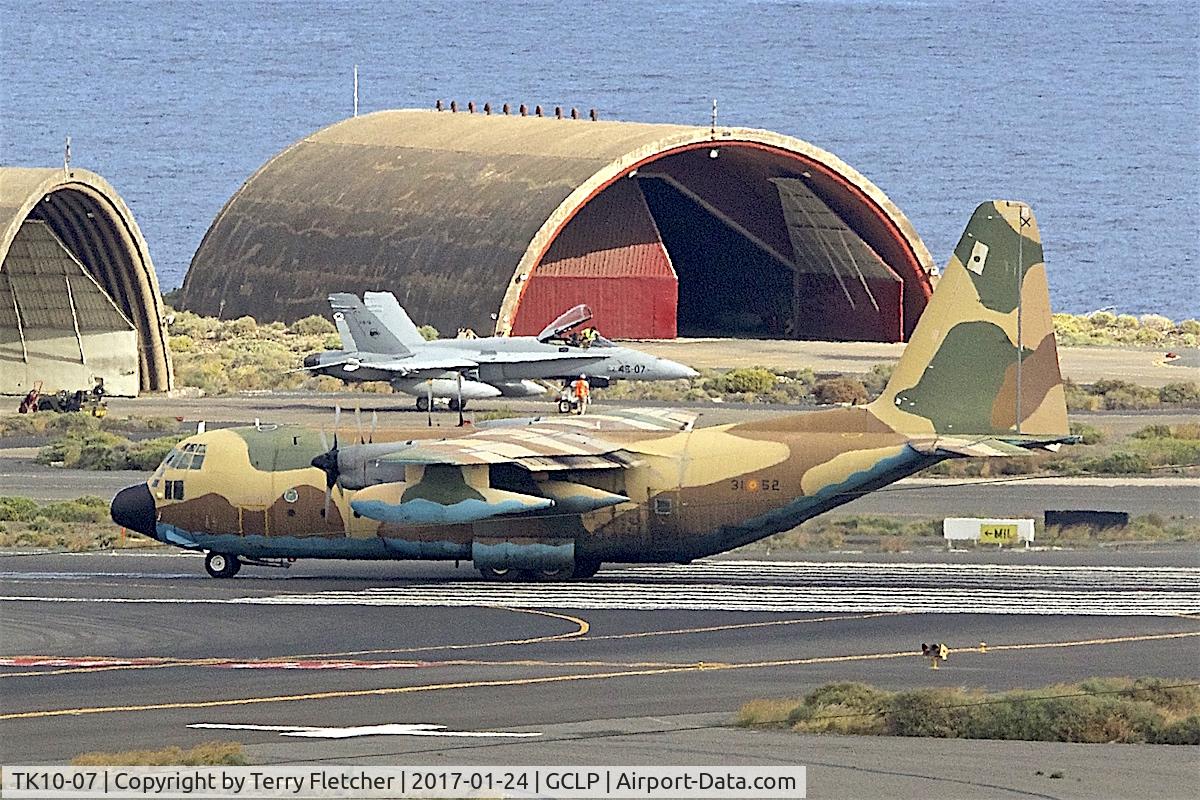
{"type": "Point", "coordinates": [386, 502]}
{"type": "Point", "coordinates": [989, 447]}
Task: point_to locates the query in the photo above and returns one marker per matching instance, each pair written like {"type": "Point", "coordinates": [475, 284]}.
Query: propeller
{"type": "Point", "coordinates": [460, 402]}
{"type": "Point", "coordinates": [327, 462]}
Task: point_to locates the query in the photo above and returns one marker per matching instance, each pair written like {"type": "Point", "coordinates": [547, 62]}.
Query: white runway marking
{"type": "Point", "coordinates": [781, 587]}
{"type": "Point", "coordinates": [392, 729]}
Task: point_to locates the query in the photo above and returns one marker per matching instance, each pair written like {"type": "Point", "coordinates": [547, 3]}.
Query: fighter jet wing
{"type": "Point", "coordinates": [421, 363]}
{"type": "Point", "coordinates": [621, 419]}
{"type": "Point", "coordinates": [581, 356]}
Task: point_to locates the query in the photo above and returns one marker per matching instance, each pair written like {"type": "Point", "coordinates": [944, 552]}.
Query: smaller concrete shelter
{"type": "Point", "coordinates": [79, 299]}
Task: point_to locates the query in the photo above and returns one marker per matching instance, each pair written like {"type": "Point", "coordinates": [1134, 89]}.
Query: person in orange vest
{"type": "Point", "coordinates": [582, 392]}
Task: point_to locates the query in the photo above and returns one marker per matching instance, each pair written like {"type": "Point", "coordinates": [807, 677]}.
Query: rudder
{"type": "Point", "coordinates": [982, 359]}
{"type": "Point", "coordinates": [363, 327]}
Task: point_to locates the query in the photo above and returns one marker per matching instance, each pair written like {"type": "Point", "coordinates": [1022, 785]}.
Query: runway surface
{"type": "Point", "coordinates": [641, 665]}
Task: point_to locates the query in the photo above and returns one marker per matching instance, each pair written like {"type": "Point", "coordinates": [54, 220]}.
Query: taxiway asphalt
{"type": "Point", "coordinates": [110, 652]}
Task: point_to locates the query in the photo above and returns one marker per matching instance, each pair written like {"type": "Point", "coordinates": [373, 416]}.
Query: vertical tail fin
{"type": "Point", "coordinates": [387, 310]}
{"type": "Point", "coordinates": [982, 359]}
{"type": "Point", "coordinates": [363, 327]}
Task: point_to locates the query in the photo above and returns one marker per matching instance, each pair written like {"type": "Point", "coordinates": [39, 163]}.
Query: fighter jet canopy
{"type": "Point", "coordinates": [570, 318]}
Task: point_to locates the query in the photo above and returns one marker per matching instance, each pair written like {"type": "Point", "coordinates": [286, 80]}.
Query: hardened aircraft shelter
{"type": "Point", "coordinates": [499, 222]}
{"type": "Point", "coordinates": [79, 299]}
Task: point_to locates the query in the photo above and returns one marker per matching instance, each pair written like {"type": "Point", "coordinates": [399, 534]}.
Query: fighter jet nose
{"type": "Point", "coordinates": [675, 371]}
{"type": "Point", "coordinates": [133, 508]}
{"type": "Point", "coordinates": [312, 360]}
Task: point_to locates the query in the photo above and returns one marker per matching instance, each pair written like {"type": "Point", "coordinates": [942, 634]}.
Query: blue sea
{"type": "Point", "coordinates": [1089, 111]}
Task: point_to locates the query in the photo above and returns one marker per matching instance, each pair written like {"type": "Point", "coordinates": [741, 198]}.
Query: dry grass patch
{"type": "Point", "coordinates": [1098, 710]}
{"type": "Point", "coordinates": [208, 754]}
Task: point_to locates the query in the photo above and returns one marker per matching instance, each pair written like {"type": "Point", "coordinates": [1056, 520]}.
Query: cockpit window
{"type": "Point", "coordinates": [190, 456]}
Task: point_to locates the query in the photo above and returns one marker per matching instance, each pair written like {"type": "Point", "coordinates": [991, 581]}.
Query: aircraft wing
{"type": "Point", "coordinates": [453, 483]}
{"type": "Point", "coordinates": [580, 356]}
{"type": "Point", "coordinates": [535, 448]}
{"type": "Point", "coordinates": [621, 419]}
{"type": "Point", "coordinates": [421, 363]}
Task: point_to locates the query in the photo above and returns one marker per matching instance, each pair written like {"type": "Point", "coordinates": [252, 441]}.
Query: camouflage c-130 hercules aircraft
{"type": "Point", "coordinates": [554, 498]}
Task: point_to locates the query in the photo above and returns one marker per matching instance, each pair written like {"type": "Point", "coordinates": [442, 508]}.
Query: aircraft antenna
{"type": "Point", "coordinates": [67, 156]}
{"type": "Point", "coordinates": [713, 126]}
{"type": "Point", "coordinates": [429, 397]}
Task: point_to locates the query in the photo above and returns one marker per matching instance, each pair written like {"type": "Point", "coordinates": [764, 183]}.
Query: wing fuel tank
{"type": "Point", "coordinates": [575, 498]}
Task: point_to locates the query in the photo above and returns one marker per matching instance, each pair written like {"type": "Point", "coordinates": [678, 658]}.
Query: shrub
{"type": "Point", "coordinates": [1180, 393]}
{"type": "Point", "coordinates": [17, 509]}
{"type": "Point", "coordinates": [84, 509]}
{"type": "Point", "coordinates": [1090, 433]}
{"type": "Point", "coordinates": [876, 380]}
{"type": "Point", "coordinates": [746, 380]}
{"type": "Point", "coordinates": [181, 343]}
{"type": "Point", "coordinates": [429, 332]}
{"type": "Point", "coordinates": [1156, 322]}
{"type": "Point", "coordinates": [841, 390]}
{"type": "Point", "coordinates": [313, 325]}
{"type": "Point", "coordinates": [1095, 710]}
{"type": "Point", "coordinates": [1121, 462]}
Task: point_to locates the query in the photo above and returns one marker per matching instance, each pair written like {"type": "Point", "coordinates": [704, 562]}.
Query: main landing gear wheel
{"type": "Point", "coordinates": [548, 575]}
{"type": "Point", "coordinates": [454, 405]}
{"type": "Point", "coordinates": [422, 404]}
{"type": "Point", "coordinates": [585, 568]}
{"type": "Point", "coordinates": [222, 565]}
{"type": "Point", "coordinates": [496, 574]}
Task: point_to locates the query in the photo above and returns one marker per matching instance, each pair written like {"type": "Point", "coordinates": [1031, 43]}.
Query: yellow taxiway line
{"type": "Point", "coordinates": [548, 679]}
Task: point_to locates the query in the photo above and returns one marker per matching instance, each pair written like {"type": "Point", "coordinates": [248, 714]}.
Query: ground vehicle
{"type": "Point", "coordinates": [89, 400]}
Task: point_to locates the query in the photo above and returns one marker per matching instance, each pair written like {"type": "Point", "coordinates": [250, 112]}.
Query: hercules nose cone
{"type": "Point", "coordinates": [133, 508]}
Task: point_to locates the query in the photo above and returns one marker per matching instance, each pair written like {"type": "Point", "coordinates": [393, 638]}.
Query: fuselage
{"type": "Point", "coordinates": [253, 492]}
{"type": "Point", "coordinates": [504, 361]}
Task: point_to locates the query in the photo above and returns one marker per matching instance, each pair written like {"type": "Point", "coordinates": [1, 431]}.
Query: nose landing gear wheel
{"type": "Point", "coordinates": [220, 565]}
{"type": "Point", "coordinates": [422, 404]}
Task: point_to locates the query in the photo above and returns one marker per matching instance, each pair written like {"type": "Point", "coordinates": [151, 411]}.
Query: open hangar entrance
{"type": "Point", "coordinates": [502, 221]}
{"type": "Point", "coordinates": [78, 295]}
{"type": "Point", "coordinates": [728, 238]}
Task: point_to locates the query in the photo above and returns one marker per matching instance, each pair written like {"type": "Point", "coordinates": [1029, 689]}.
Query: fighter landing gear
{"type": "Point", "coordinates": [423, 404]}
{"type": "Point", "coordinates": [221, 565]}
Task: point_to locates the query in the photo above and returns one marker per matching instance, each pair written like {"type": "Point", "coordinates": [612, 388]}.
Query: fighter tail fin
{"type": "Point", "coordinates": [363, 327]}
{"type": "Point", "coordinates": [982, 359]}
{"type": "Point", "coordinates": [387, 310]}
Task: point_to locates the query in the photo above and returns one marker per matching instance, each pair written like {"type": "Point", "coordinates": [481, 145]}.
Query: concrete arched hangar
{"type": "Point", "coordinates": [501, 222]}
{"type": "Point", "coordinates": [79, 299]}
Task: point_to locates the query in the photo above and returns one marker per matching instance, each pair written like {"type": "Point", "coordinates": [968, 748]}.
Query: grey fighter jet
{"type": "Point", "coordinates": [381, 343]}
